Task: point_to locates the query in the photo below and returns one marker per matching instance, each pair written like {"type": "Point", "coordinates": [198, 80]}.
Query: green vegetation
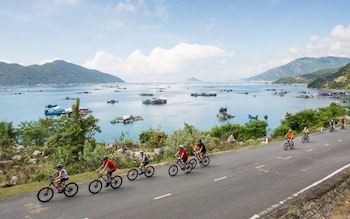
{"type": "Point", "coordinates": [70, 140]}
{"type": "Point", "coordinates": [339, 80]}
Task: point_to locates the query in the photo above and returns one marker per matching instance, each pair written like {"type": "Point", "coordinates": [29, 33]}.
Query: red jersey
{"type": "Point", "coordinates": [109, 164]}
{"type": "Point", "coordinates": [183, 153]}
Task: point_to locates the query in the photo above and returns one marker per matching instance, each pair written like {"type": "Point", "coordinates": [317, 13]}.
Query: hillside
{"type": "Point", "coordinates": [339, 80]}
{"type": "Point", "coordinates": [301, 66]}
{"type": "Point", "coordinates": [57, 72]}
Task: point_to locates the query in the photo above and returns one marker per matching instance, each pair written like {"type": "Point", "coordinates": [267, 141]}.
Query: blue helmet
{"type": "Point", "coordinates": [105, 157]}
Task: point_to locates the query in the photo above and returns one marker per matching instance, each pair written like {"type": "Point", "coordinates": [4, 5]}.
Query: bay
{"type": "Point", "coordinates": [241, 98]}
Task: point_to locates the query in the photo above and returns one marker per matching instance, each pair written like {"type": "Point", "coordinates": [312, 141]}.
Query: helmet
{"type": "Point", "coordinates": [141, 152]}
{"type": "Point", "coordinates": [305, 127]}
{"type": "Point", "coordinates": [59, 166]}
{"type": "Point", "coordinates": [289, 130]}
{"type": "Point", "coordinates": [105, 157]}
{"type": "Point", "coordinates": [181, 146]}
{"type": "Point", "coordinates": [200, 141]}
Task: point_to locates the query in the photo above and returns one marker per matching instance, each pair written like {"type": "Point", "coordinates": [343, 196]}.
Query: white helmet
{"type": "Point", "coordinates": [181, 146]}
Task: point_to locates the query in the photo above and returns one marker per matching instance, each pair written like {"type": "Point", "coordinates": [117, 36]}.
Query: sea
{"type": "Point", "coordinates": [270, 102]}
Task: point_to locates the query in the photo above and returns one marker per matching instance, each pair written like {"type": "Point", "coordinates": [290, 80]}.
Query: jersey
{"type": "Point", "coordinates": [202, 146]}
{"type": "Point", "coordinates": [183, 153]}
{"type": "Point", "coordinates": [290, 134]}
{"type": "Point", "coordinates": [109, 164]}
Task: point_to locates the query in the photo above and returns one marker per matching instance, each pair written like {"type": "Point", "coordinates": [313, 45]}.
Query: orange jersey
{"type": "Point", "coordinates": [290, 134]}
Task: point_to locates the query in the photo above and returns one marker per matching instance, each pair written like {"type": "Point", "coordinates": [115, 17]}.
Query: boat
{"type": "Point", "coordinates": [126, 119]}
{"type": "Point", "coordinates": [82, 111]}
{"type": "Point", "coordinates": [253, 117]}
{"type": "Point", "coordinates": [223, 115]}
{"type": "Point", "coordinates": [203, 94]}
{"type": "Point", "coordinates": [112, 101]}
{"type": "Point", "coordinates": [154, 101]}
{"type": "Point", "coordinates": [53, 110]}
{"type": "Point", "coordinates": [146, 94]}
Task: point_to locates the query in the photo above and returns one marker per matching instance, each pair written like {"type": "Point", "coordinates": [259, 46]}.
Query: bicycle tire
{"type": "Point", "coordinates": [45, 194]}
{"type": "Point", "coordinates": [303, 139]}
{"type": "Point", "coordinates": [149, 171]}
{"type": "Point", "coordinates": [291, 145]}
{"type": "Point", "coordinates": [71, 189]}
{"type": "Point", "coordinates": [132, 174]}
{"type": "Point", "coordinates": [173, 169]}
{"type": "Point", "coordinates": [205, 161]}
{"type": "Point", "coordinates": [193, 162]}
{"type": "Point", "coordinates": [286, 145]}
{"type": "Point", "coordinates": [95, 186]}
{"type": "Point", "coordinates": [116, 181]}
{"type": "Point", "coordinates": [188, 167]}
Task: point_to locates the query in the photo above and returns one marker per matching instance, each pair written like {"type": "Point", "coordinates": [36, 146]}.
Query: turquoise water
{"type": "Point", "coordinates": [28, 104]}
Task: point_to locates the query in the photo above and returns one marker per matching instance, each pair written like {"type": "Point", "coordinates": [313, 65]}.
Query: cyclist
{"type": "Point", "coordinates": [201, 150]}
{"type": "Point", "coordinates": [306, 131]}
{"type": "Point", "coordinates": [331, 124]}
{"type": "Point", "coordinates": [183, 156]}
{"type": "Point", "coordinates": [107, 163]}
{"type": "Point", "coordinates": [62, 176]}
{"type": "Point", "coordinates": [144, 161]}
{"type": "Point", "coordinates": [342, 121]}
{"type": "Point", "coordinates": [290, 136]}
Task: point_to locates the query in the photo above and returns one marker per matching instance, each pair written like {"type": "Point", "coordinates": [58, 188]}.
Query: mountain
{"type": "Point", "coordinates": [193, 79]}
{"type": "Point", "coordinates": [57, 72]}
{"type": "Point", "coordinates": [301, 66]}
{"type": "Point", "coordinates": [339, 80]}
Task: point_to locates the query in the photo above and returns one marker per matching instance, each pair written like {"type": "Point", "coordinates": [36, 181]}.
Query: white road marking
{"type": "Point", "coordinates": [162, 196]}
{"type": "Point", "coordinates": [273, 207]}
{"type": "Point", "coordinates": [326, 145]}
{"type": "Point", "coordinates": [285, 158]}
{"type": "Point", "coordinates": [340, 140]}
{"type": "Point", "coordinates": [310, 150]}
{"type": "Point", "coordinates": [259, 166]}
{"type": "Point", "coordinates": [221, 178]}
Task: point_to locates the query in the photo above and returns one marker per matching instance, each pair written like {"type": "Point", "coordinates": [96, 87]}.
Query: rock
{"type": "Point", "coordinates": [5, 163]}
{"type": "Point", "coordinates": [36, 153]}
{"type": "Point", "coordinates": [17, 157]}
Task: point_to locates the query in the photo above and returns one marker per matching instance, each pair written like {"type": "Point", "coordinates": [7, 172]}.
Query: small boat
{"type": "Point", "coordinates": [126, 119]}
{"type": "Point", "coordinates": [112, 101]}
{"type": "Point", "coordinates": [154, 101]}
{"type": "Point", "coordinates": [54, 110]}
{"type": "Point", "coordinates": [223, 115]}
{"type": "Point", "coordinates": [253, 117]}
{"type": "Point", "coordinates": [203, 94]}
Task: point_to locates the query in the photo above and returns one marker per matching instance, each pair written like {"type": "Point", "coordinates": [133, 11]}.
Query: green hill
{"type": "Point", "coordinates": [57, 72]}
{"type": "Point", "coordinates": [301, 66]}
{"type": "Point", "coordinates": [339, 80]}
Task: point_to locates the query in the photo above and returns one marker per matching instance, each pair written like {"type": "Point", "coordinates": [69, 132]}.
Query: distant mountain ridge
{"type": "Point", "coordinates": [57, 72]}
{"type": "Point", "coordinates": [301, 66]}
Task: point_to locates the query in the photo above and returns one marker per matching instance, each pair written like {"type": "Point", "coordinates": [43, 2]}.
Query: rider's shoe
{"type": "Point", "coordinates": [141, 172]}
{"type": "Point", "coordinates": [107, 184]}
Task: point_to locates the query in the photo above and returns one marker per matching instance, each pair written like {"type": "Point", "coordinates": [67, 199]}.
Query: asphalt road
{"type": "Point", "coordinates": [247, 183]}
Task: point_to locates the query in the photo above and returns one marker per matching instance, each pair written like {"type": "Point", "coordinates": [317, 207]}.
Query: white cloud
{"type": "Point", "coordinates": [177, 60]}
{"type": "Point", "coordinates": [336, 44]}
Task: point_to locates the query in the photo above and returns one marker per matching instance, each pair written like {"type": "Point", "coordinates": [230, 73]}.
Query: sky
{"type": "Point", "coordinates": [173, 40]}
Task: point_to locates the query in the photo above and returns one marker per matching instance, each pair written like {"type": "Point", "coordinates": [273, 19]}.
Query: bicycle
{"type": "Point", "coordinates": [45, 194]}
{"type": "Point", "coordinates": [289, 143]}
{"type": "Point", "coordinates": [95, 185]}
{"type": "Point", "coordinates": [305, 138]}
{"type": "Point", "coordinates": [136, 170]}
{"type": "Point", "coordinates": [174, 168]}
{"type": "Point", "coordinates": [205, 161]}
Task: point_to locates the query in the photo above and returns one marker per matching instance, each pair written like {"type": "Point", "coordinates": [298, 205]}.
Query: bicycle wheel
{"type": "Point", "coordinates": [303, 139]}
{"type": "Point", "coordinates": [188, 167]}
{"type": "Point", "coordinates": [291, 145]}
{"type": "Point", "coordinates": [206, 161]}
{"type": "Point", "coordinates": [116, 181]}
{"type": "Point", "coordinates": [95, 186]}
{"type": "Point", "coordinates": [45, 194]}
{"type": "Point", "coordinates": [71, 189]}
{"type": "Point", "coordinates": [149, 171]}
{"type": "Point", "coordinates": [286, 145]}
{"type": "Point", "coordinates": [132, 174]}
{"type": "Point", "coordinates": [173, 169]}
{"type": "Point", "coordinates": [193, 162]}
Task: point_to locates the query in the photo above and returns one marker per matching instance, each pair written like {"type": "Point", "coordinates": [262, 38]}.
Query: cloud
{"type": "Point", "coordinates": [180, 59]}
{"type": "Point", "coordinates": [336, 44]}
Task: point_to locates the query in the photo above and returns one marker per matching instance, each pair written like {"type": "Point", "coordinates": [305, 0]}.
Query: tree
{"type": "Point", "coordinates": [7, 136]}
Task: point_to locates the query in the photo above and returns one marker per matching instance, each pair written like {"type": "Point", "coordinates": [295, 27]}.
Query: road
{"type": "Point", "coordinates": [245, 183]}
